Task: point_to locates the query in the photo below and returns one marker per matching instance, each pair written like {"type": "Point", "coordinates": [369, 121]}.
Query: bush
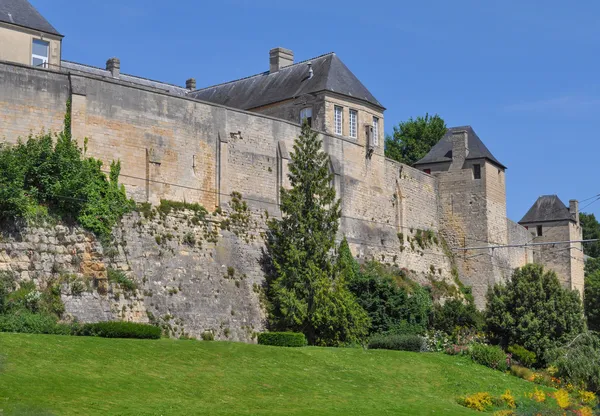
{"type": "Point", "coordinates": [405, 342]}
{"type": "Point", "coordinates": [37, 175]}
{"type": "Point", "coordinates": [522, 355]}
{"type": "Point", "coordinates": [489, 355]}
{"type": "Point", "coordinates": [454, 314]}
{"type": "Point", "coordinates": [522, 372]}
{"type": "Point", "coordinates": [119, 329]}
{"type": "Point", "coordinates": [533, 310]}
{"type": "Point", "coordinates": [578, 363]}
{"type": "Point", "coordinates": [28, 322]}
{"type": "Point", "coordinates": [282, 339]}
{"type": "Point", "coordinates": [394, 303]}
{"type": "Point", "coordinates": [118, 276]}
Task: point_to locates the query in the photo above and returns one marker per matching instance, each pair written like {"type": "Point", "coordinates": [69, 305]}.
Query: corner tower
{"type": "Point", "coordinates": [550, 221]}
{"type": "Point", "coordinates": [472, 197]}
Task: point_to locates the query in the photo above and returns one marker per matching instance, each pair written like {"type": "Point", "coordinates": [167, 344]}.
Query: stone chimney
{"type": "Point", "coordinates": [190, 84]}
{"type": "Point", "coordinates": [113, 65]}
{"type": "Point", "coordinates": [460, 149]}
{"type": "Point", "coordinates": [280, 58]}
{"type": "Point", "coordinates": [574, 210]}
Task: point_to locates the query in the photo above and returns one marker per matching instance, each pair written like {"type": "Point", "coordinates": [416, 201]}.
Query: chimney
{"type": "Point", "coordinates": [460, 149]}
{"type": "Point", "coordinates": [280, 58]}
{"type": "Point", "coordinates": [113, 65]}
{"type": "Point", "coordinates": [574, 210]}
{"type": "Point", "coordinates": [190, 84]}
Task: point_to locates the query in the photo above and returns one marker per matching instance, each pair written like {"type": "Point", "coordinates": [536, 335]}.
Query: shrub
{"type": "Point", "coordinates": [479, 401]}
{"type": "Point", "coordinates": [120, 329]}
{"type": "Point", "coordinates": [208, 336]}
{"type": "Point", "coordinates": [533, 310]}
{"type": "Point", "coordinates": [118, 276]}
{"type": "Point", "coordinates": [405, 342]}
{"type": "Point", "coordinates": [282, 339]}
{"type": "Point", "coordinates": [522, 372]}
{"type": "Point", "coordinates": [578, 363]}
{"type": "Point", "coordinates": [456, 314]}
{"type": "Point", "coordinates": [28, 322]}
{"type": "Point", "coordinates": [489, 355]}
{"type": "Point", "coordinates": [522, 355]}
{"type": "Point", "coordinates": [394, 303]}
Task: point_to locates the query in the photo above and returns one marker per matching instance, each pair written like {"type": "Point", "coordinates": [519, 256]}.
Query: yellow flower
{"type": "Point", "coordinates": [562, 398]}
{"type": "Point", "coordinates": [505, 413]}
{"type": "Point", "coordinates": [537, 395]}
{"type": "Point", "coordinates": [508, 399]}
{"type": "Point", "coordinates": [478, 401]}
{"type": "Point", "coordinates": [585, 411]}
{"type": "Point", "coordinates": [587, 397]}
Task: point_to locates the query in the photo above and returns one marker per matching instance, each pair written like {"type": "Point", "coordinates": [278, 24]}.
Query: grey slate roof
{"type": "Point", "coordinates": [75, 67]}
{"type": "Point", "coordinates": [330, 74]}
{"type": "Point", "coordinates": [22, 13]}
{"type": "Point", "coordinates": [442, 151]}
{"type": "Point", "coordinates": [546, 208]}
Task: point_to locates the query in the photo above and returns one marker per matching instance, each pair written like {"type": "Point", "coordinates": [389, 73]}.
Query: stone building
{"type": "Point", "coordinates": [200, 145]}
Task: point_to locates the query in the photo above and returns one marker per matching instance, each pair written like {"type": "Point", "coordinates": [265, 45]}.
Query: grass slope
{"type": "Point", "coordinates": [62, 375]}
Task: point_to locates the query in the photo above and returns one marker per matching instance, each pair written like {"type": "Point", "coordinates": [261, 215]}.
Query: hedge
{"type": "Point", "coordinates": [403, 342]}
{"type": "Point", "coordinates": [31, 323]}
{"type": "Point", "coordinates": [119, 329]}
{"type": "Point", "coordinates": [489, 355]}
{"type": "Point", "coordinates": [282, 339]}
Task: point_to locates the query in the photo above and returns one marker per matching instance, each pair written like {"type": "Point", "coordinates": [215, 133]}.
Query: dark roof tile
{"type": "Point", "coordinates": [442, 151]}
{"type": "Point", "coordinates": [547, 208]}
{"type": "Point", "coordinates": [329, 74]}
{"type": "Point", "coordinates": [22, 13]}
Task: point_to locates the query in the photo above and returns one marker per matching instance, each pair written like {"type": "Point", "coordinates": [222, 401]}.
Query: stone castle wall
{"type": "Point", "coordinates": [172, 147]}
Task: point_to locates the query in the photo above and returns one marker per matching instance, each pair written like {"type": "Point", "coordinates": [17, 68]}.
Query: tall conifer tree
{"type": "Point", "coordinates": [306, 291]}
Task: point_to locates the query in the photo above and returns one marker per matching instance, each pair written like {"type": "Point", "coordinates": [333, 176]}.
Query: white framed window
{"type": "Point", "coordinates": [39, 53]}
{"type": "Point", "coordinates": [306, 114]}
{"type": "Point", "coordinates": [337, 119]}
{"type": "Point", "coordinates": [353, 123]}
{"type": "Point", "coordinates": [375, 131]}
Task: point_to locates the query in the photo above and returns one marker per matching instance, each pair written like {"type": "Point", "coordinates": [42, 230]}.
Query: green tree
{"type": "Point", "coordinates": [413, 139]}
{"type": "Point", "coordinates": [395, 304]}
{"type": "Point", "coordinates": [591, 299]}
{"type": "Point", "coordinates": [307, 288]}
{"type": "Point", "coordinates": [591, 230]}
{"type": "Point", "coordinates": [533, 310]}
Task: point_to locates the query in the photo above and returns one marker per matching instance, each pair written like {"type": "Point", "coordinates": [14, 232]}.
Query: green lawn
{"type": "Point", "coordinates": [62, 375]}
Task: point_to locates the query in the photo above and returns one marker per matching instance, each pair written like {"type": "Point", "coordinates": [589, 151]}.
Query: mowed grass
{"type": "Point", "coordinates": [62, 375]}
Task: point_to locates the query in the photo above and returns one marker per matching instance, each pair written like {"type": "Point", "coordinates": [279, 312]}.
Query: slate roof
{"type": "Point", "coordinates": [442, 151]}
{"type": "Point", "coordinates": [170, 88]}
{"type": "Point", "coordinates": [22, 13]}
{"type": "Point", "coordinates": [546, 208]}
{"type": "Point", "coordinates": [329, 74]}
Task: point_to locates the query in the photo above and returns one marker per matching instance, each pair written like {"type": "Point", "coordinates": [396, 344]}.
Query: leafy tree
{"type": "Point", "coordinates": [591, 230]}
{"type": "Point", "coordinates": [49, 174]}
{"type": "Point", "coordinates": [307, 288]}
{"type": "Point", "coordinates": [395, 304]}
{"type": "Point", "coordinates": [455, 314]}
{"type": "Point", "coordinates": [533, 310]}
{"type": "Point", "coordinates": [591, 299]}
{"type": "Point", "coordinates": [413, 139]}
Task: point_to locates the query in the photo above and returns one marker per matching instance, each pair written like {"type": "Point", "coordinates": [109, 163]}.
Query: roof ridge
{"type": "Point", "coordinates": [129, 75]}
{"type": "Point", "coordinates": [263, 73]}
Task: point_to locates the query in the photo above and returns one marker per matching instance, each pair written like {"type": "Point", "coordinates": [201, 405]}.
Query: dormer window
{"type": "Point", "coordinates": [306, 114]}
{"type": "Point", "coordinates": [337, 119]}
{"type": "Point", "coordinates": [39, 53]}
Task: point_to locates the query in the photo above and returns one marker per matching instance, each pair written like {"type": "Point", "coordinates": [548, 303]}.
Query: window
{"type": "Point", "coordinates": [375, 131]}
{"type": "Point", "coordinates": [353, 123]}
{"type": "Point", "coordinates": [427, 171]}
{"type": "Point", "coordinates": [539, 231]}
{"type": "Point", "coordinates": [39, 53]}
{"type": "Point", "coordinates": [337, 119]}
{"type": "Point", "coordinates": [306, 114]}
{"type": "Point", "coordinates": [477, 171]}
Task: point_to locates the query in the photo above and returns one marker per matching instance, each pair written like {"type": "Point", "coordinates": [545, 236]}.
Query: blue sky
{"type": "Point", "coordinates": [524, 74]}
